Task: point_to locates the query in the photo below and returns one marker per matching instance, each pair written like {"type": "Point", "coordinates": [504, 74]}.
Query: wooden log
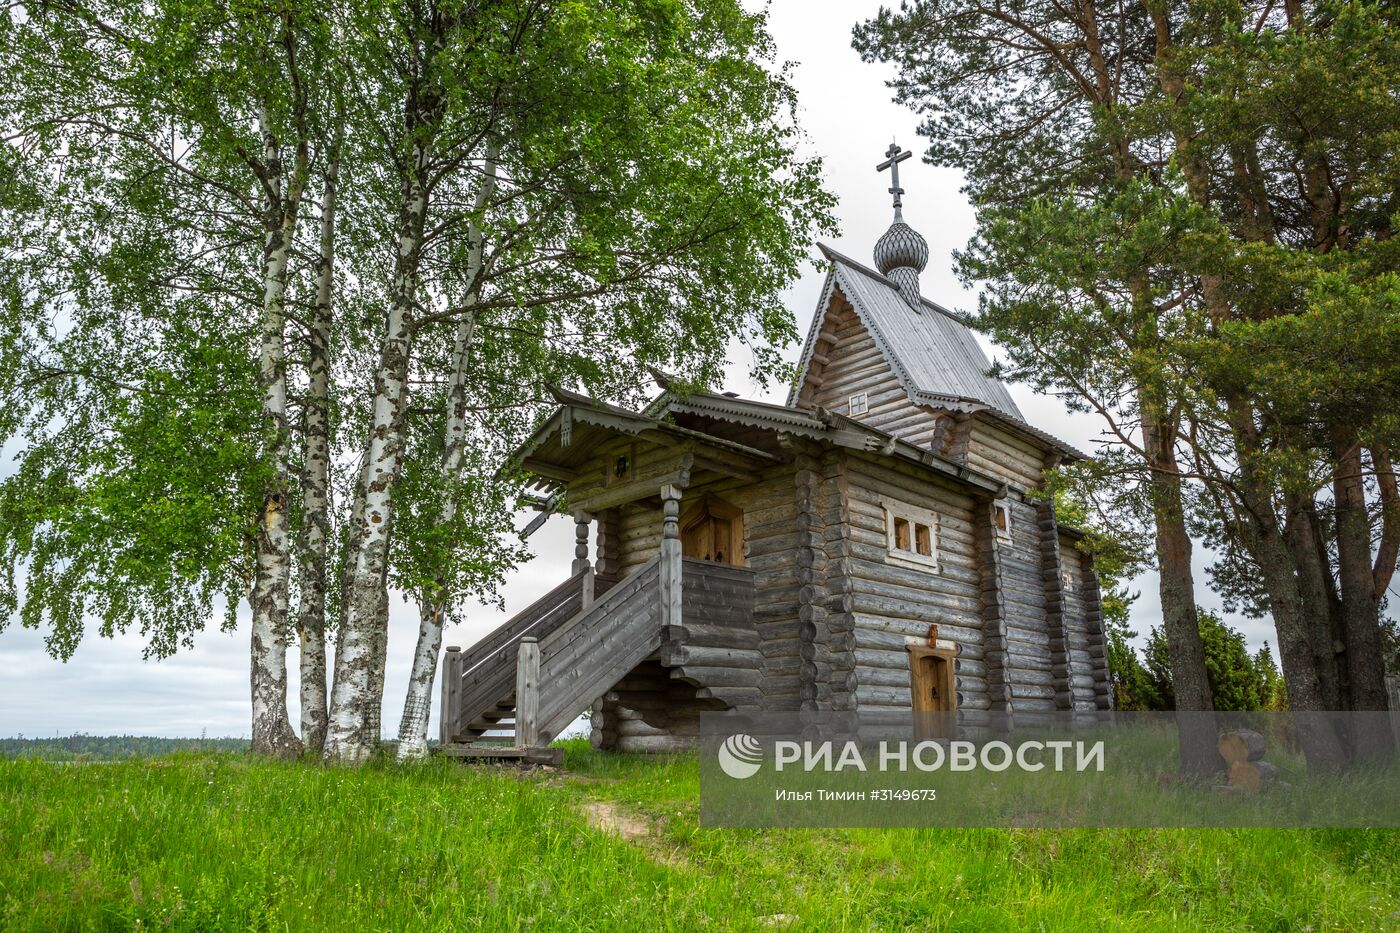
{"type": "Point", "coordinates": [737, 697]}
{"type": "Point", "coordinates": [654, 744]}
{"type": "Point", "coordinates": [636, 727]}
{"type": "Point", "coordinates": [713, 636]}
{"type": "Point", "coordinates": [720, 676]}
{"type": "Point", "coordinates": [702, 656]}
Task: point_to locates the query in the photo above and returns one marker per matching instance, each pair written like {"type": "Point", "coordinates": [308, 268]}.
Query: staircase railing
{"type": "Point", "coordinates": [582, 660]}
{"type": "Point", "coordinates": [490, 662]}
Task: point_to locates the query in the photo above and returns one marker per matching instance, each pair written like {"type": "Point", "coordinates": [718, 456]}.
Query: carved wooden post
{"type": "Point", "coordinates": [451, 689]}
{"type": "Point", "coordinates": [527, 694]}
{"type": "Point", "coordinates": [581, 522]}
{"type": "Point", "coordinates": [671, 555]}
{"type": "Point", "coordinates": [581, 564]}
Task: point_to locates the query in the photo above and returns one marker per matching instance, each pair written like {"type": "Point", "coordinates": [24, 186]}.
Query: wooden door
{"type": "Point", "coordinates": [934, 693]}
{"type": "Point", "coordinates": [710, 530]}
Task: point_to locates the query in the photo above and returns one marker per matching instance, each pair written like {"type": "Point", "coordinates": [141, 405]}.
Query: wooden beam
{"type": "Point", "coordinates": [536, 755]}
{"type": "Point", "coordinates": [551, 470]}
{"type": "Point", "coordinates": [727, 469]}
{"type": "Point", "coordinates": [527, 693]}
{"type": "Point", "coordinates": [671, 567]}
{"type": "Point", "coordinates": [641, 488]}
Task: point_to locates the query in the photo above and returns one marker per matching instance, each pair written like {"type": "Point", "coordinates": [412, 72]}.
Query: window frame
{"type": "Point", "coordinates": [896, 510]}
{"type": "Point", "coordinates": [1003, 506]}
{"type": "Point", "coordinates": [864, 404]}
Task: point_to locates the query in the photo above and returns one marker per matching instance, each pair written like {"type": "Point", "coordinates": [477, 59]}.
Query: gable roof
{"type": "Point", "coordinates": [932, 351]}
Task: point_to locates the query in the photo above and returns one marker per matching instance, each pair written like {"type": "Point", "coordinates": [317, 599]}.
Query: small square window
{"type": "Point", "coordinates": [911, 535]}
{"type": "Point", "coordinates": [859, 404]}
{"type": "Point", "coordinates": [1067, 580]}
{"type": "Point", "coordinates": [1001, 515]}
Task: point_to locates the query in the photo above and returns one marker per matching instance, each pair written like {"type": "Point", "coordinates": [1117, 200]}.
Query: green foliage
{"type": "Point", "coordinates": [216, 842]}
{"type": "Point", "coordinates": [1186, 216]}
{"type": "Point", "coordinates": [1239, 682]}
{"type": "Point", "coordinates": [652, 207]}
{"type": "Point", "coordinates": [87, 748]}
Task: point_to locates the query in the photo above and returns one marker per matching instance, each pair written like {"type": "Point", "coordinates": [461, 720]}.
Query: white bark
{"type": "Point", "coordinates": [432, 610]}
{"type": "Point", "coordinates": [349, 739]}
{"type": "Point", "coordinates": [413, 728]}
{"type": "Point", "coordinates": [311, 623]}
{"type": "Point", "coordinates": [272, 729]}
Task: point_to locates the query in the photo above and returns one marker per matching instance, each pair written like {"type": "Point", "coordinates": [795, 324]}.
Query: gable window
{"type": "Point", "coordinates": [1001, 514]}
{"type": "Point", "coordinates": [911, 534]}
{"type": "Point", "coordinates": [859, 404]}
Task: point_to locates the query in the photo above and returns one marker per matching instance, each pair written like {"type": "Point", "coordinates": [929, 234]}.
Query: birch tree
{"type": "Point", "coordinates": [648, 208]}
{"type": "Point", "coordinates": [206, 155]}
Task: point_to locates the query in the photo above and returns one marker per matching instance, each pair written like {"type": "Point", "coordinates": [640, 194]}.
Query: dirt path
{"type": "Point", "coordinates": [635, 828]}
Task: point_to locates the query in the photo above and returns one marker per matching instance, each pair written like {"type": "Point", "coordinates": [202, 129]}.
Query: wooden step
{"type": "Point", "coordinates": [537, 756]}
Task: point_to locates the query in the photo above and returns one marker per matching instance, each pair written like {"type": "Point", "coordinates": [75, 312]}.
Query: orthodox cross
{"type": "Point", "coordinates": [892, 160]}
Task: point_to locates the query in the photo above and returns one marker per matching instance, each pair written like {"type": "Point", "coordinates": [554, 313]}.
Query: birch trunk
{"type": "Point", "coordinates": [349, 739]}
{"type": "Point", "coordinates": [272, 732]}
{"type": "Point", "coordinates": [432, 608]}
{"type": "Point", "coordinates": [315, 531]}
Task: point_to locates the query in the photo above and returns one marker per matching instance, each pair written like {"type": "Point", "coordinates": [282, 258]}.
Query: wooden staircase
{"type": "Point", "coordinates": [513, 692]}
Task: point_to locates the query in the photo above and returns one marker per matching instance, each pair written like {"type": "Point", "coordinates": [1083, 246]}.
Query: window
{"type": "Point", "coordinates": [1001, 514]}
{"type": "Point", "coordinates": [859, 404]}
{"type": "Point", "coordinates": [1067, 580]}
{"type": "Point", "coordinates": [911, 535]}
{"type": "Point", "coordinates": [621, 466]}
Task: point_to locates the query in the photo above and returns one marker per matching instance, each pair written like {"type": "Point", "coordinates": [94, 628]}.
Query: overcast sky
{"type": "Point", "coordinates": [846, 109]}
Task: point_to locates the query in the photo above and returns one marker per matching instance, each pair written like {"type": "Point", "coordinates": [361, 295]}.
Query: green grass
{"type": "Point", "coordinates": [212, 842]}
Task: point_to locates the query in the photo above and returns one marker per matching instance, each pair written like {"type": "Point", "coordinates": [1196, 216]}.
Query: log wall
{"type": "Point", "coordinates": [771, 540]}
{"type": "Point", "coordinates": [891, 603]}
{"type": "Point", "coordinates": [831, 614]}
{"type": "Point", "coordinates": [648, 711]}
{"type": "Point", "coordinates": [1031, 667]}
{"type": "Point", "coordinates": [997, 452]}
{"type": "Point", "coordinates": [847, 360]}
{"type": "Point", "coordinates": [1088, 654]}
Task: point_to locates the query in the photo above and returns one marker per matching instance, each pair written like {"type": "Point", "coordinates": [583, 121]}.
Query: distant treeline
{"type": "Point", "coordinates": [111, 747]}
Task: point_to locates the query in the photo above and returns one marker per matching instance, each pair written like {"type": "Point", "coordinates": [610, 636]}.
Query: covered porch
{"type": "Point", "coordinates": [649, 629]}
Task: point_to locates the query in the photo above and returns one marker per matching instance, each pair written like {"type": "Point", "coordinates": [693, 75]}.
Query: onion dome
{"type": "Point", "coordinates": [901, 246]}
{"type": "Point", "coordinates": [901, 253]}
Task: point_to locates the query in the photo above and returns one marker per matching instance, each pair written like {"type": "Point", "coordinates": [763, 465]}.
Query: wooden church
{"type": "Point", "coordinates": [872, 545]}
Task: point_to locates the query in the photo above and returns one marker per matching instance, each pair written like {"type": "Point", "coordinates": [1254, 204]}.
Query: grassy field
{"type": "Point", "coordinates": [215, 842]}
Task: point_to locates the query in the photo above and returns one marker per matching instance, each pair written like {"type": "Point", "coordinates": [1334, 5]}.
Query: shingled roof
{"type": "Point", "coordinates": [935, 354]}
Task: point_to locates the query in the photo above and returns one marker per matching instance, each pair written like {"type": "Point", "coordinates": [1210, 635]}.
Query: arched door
{"type": "Point", "coordinates": [712, 529]}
